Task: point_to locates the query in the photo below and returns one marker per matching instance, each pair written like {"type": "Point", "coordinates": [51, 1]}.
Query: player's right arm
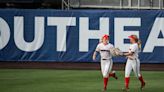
{"type": "Point", "coordinates": [95, 52]}
{"type": "Point", "coordinates": [132, 49]}
{"type": "Point", "coordinates": [94, 56]}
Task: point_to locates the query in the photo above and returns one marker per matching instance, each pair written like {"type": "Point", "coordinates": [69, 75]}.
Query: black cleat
{"type": "Point", "coordinates": [115, 76]}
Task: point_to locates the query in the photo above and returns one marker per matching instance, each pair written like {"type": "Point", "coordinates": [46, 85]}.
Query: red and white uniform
{"type": "Point", "coordinates": [106, 58]}
{"type": "Point", "coordinates": [133, 63]}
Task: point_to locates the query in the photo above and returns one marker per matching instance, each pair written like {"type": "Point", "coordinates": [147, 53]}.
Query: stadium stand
{"type": "Point", "coordinates": [126, 4]}
{"type": "Point", "coordinates": [77, 4]}
{"type": "Point", "coordinates": [31, 4]}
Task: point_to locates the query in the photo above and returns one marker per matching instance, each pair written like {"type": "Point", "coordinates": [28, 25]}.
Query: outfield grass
{"type": "Point", "coordinates": [34, 80]}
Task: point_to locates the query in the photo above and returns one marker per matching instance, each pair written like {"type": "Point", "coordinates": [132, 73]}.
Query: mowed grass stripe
{"type": "Point", "coordinates": [46, 80]}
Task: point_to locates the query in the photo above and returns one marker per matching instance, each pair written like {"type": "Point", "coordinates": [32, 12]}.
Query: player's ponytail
{"type": "Point", "coordinates": [139, 43]}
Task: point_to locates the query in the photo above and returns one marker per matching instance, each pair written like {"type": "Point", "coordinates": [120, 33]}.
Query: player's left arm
{"type": "Point", "coordinates": [94, 56]}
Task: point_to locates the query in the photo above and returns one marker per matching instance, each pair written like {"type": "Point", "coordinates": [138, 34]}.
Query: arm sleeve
{"type": "Point", "coordinates": [112, 46]}
{"type": "Point", "coordinates": [98, 48]}
{"type": "Point", "coordinates": [133, 48]}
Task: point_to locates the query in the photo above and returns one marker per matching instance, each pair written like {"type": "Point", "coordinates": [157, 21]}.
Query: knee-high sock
{"type": "Point", "coordinates": [105, 83]}
{"type": "Point", "coordinates": [141, 79]}
{"type": "Point", "coordinates": [127, 79]}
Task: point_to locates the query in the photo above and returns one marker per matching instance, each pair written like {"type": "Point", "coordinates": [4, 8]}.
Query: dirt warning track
{"type": "Point", "coordinates": [71, 65]}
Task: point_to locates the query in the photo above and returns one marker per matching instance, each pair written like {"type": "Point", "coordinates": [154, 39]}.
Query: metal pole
{"type": "Point", "coordinates": [139, 4]}
{"type": "Point", "coordinates": [121, 4]}
{"type": "Point", "coordinates": [68, 4]}
{"type": "Point", "coordinates": [160, 4]}
{"type": "Point", "coordinates": [62, 5]}
{"type": "Point", "coordinates": [130, 3]}
{"type": "Point", "coordinates": [79, 2]}
{"type": "Point", "coordinates": [151, 4]}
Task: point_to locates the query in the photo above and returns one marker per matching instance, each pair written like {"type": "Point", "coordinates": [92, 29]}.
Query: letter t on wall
{"type": "Point", "coordinates": [61, 23]}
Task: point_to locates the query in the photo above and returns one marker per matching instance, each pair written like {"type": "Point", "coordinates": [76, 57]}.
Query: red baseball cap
{"type": "Point", "coordinates": [132, 37]}
{"type": "Point", "coordinates": [106, 36]}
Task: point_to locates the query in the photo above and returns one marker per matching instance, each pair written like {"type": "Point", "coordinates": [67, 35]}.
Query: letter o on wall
{"type": "Point", "coordinates": [4, 33]}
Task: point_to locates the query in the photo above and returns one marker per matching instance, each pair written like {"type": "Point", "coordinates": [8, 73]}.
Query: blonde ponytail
{"type": "Point", "coordinates": [139, 43]}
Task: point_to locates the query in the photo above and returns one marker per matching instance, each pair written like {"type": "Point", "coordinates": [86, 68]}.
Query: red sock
{"type": "Point", "coordinates": [141, 79]}
{"type": "Point", "coordinates": [127, 79]}
{"type": "Point", "coordinates": [105, 83]}
{"type": "Point", "coordinates": [111, 74]}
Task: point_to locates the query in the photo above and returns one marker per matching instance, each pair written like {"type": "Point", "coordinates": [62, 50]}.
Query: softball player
{"type": "Point", "coordinates": [133, 62]}
{"type": "Point", "coordinates": [106, 59]}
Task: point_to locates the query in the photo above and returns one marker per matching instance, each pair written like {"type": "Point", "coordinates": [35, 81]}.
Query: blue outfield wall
{"type": "Point", "coordinates": [48, 35]}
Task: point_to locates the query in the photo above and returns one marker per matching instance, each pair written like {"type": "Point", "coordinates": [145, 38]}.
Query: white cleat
{"type": "Point", "coordinates": [125, 89]}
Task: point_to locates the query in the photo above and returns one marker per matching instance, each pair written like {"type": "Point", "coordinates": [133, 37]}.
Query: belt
{"type": "Point", "coordinates": [105, 59]}
{"type": "Point", "coordinates": [105, 50]}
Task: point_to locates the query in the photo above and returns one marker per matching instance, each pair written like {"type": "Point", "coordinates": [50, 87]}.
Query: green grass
{"type": "Point", "coordinates": [35, 80]}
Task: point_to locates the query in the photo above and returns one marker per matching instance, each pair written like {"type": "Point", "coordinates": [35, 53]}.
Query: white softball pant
{"type": "Point", "coordinates": [106, 67]}
{"type": "Point", "coordinates": [132, 65]}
